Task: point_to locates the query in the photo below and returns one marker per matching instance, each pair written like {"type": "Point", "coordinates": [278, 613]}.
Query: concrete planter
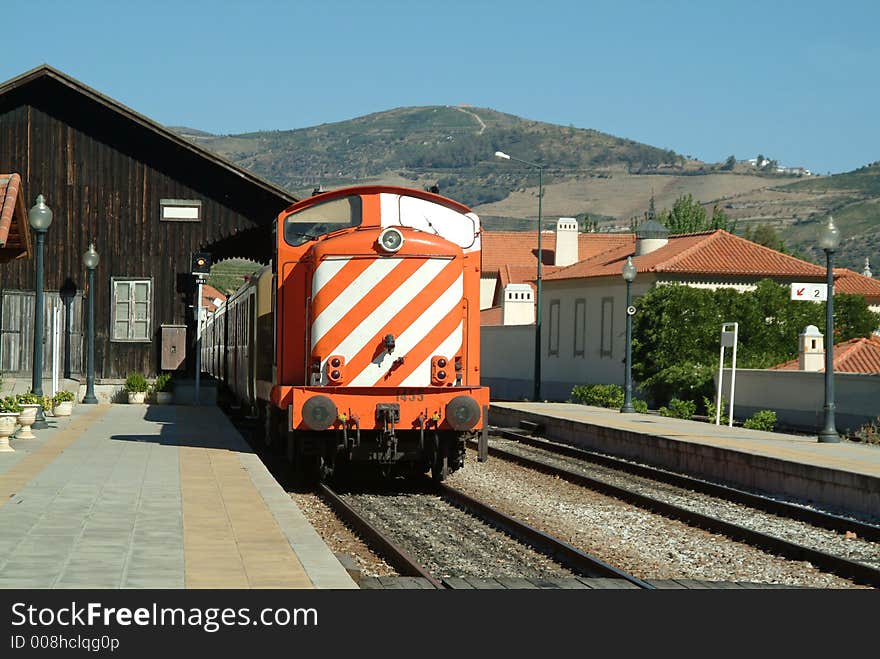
{"type": "Point", "coordinates": [64, 408]}
{"type": "Point", "coordinates": [164, 397]}
{"type": "Point", "coordinates": [136, 397]}
{"type": "Point", "coordinates": [26, 419]}
{"type": "Point", "coordinates": [7, 427]}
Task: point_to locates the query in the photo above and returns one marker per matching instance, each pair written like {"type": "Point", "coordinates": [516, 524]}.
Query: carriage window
{"type": "Point", "coordinates": [314, 221]}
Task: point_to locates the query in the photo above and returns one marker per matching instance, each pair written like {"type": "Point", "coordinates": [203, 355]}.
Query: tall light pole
{"type": "Point", "coordinates": [90, 260]}
{"type": "Point", "coordinates": [829, 240]}
{"type": "Point", "coordinates": [536, 395]}
{"type": "Point", "coordinates": [39, 217]}
{"type": "Point", "coordinates": [629, 275]}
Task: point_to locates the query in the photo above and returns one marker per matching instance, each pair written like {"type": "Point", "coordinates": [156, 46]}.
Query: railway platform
{"type": "Point", "coordinates": [841, 477]}
{"type": "Point", "coordinates": [137, 496]}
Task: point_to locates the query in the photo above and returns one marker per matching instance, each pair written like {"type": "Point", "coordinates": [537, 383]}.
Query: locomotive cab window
{"type": "Point", "coordinates": [314, 221]}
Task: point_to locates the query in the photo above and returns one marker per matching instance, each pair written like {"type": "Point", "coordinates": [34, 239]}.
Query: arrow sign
{"type": "Point", "coordinates": [811, 292]}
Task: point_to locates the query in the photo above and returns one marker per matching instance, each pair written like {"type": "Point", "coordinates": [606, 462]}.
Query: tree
{"type": "Point", "coordinates": [688, 216]}
{"type": "Point", "coordinates": [729, 164]}
{"type": "Point", "coordinates": [676, 333]}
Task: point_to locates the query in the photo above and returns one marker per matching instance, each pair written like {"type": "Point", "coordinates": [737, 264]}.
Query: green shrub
{"type": "Point", "coordinates": [640, 406]}
{"type": "Point", "coordinates": [870, 432]}
{"type": "Point", "coordinates": [28, 398]}
{"type": "Point", "coordinates": [136, 382]}
{"type": "Point", "coordinates": [679, 409]}
{"type": "Point", "coordinates": [761, 420]}
{"type": "Point", "coordinates": [10, 404]}
{"type": "Point", "coordinates": [63, 396]}
{"type": "Point", "coordinates": [711, 410]}
{"type": "Point", "coordinates": [162, 382]}
{"type": "Point", "coordinates": [599, 395]}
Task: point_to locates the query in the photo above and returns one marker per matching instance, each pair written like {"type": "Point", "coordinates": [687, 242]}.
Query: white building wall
{"type": "Point", "coordinates": [507, 360]}
{"type": "Point", "coordinates": [798, 397]}
{"type": "Point", "coordinates": [487, 291]}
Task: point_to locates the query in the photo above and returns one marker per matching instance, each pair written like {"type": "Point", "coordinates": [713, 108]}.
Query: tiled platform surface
{"type": "Point", "coordinates": [842, 476]}
{"type": "Point", "coordinates": [129, 496]}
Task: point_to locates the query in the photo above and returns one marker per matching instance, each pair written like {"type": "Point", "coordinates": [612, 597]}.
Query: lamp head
{"type": "Point", "coordinates": [629, 270]}
{"type": "Point", "coordinates": [90, 258]}
{"type": "Point", "coordinates": [829, 236]}
{"type": "Point", "coordinates": [502, 155]}
{"type": "Point", "coordinates": [40, 215]}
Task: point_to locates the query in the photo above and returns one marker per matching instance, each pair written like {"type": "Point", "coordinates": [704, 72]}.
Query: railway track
{"type": "Point", "coordinates": [841, 566]}
{"type": "Point", "coordinates": [577, 562]}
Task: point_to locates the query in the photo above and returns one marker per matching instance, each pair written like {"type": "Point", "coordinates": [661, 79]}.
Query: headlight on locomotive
{"type": "Point", "coordinates": [462, 413]}
{"type": "Point", "coordinates": [319, 412]}
{"type": "Point", "coordinates": [390, 240]}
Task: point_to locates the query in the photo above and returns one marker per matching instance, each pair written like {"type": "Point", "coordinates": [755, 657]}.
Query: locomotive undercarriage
{"type": "Point", "coordinates": [391, 452]}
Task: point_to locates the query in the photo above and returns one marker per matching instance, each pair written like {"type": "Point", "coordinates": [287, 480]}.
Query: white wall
{"type": "Point", "coordinates": [798, 397]}
{"type": "Point", "coordinates": [507, 361]}
{"type": "Point", "coordinates": [487, 291]}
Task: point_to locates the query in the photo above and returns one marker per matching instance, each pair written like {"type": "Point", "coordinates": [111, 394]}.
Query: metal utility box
{"type": "Point", "coordinates": [173, 347]}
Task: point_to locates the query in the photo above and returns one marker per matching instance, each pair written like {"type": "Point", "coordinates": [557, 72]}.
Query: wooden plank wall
{"type": "Point", "coordinates": [103, 177]}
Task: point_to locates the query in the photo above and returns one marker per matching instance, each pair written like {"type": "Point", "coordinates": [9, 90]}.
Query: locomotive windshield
{"type": "Point", "coordinates": [322, 218]}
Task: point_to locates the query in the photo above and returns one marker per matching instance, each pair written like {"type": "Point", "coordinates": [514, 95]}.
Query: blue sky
{"type": "Point", "coordinates": [795, 81]}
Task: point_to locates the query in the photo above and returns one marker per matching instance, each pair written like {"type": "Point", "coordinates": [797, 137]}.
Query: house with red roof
{"type": "Point", "coordinates": [15, 235]}
{"type": "Point", "coordinates": [584, 304]}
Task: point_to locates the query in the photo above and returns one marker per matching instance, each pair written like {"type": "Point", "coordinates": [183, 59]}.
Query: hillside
{"type": "Point", "coordinates": [586, 173]}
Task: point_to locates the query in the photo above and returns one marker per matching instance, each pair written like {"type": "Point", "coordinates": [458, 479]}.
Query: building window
{"type": "Point", "coordinates": [180, 210]}
{"type": "Point", "coordinates": [605, 349]}
{"type": "Point", "coordinates": [580, 320]}
{"type": "Point", "coordinates": [132, 309]}
{"type": "Point", "coordinates": [554, 328]}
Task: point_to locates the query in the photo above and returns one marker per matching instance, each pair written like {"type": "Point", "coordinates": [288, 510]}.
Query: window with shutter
{"type": "Point", "coordinates": [131, 309]}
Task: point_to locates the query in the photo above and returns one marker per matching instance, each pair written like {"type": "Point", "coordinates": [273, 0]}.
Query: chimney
{"type": "Point", "coordinates": [811, 350]}
{"type": "Point", "coordinates": [651, 236]}
{"type": "Point", "coordinates": [519, 305]}
{"type": "Point", "coordinates": [566, 241]}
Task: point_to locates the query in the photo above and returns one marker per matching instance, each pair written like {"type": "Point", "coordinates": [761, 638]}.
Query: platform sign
{"type": "Point", "coordinates": [812, 292]}
{"type": "Point", "coordinates": [729, 335]}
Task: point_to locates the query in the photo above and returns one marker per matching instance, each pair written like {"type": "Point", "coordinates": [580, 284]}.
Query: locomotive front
{"type": "Point", "coordinates": [386, 369]}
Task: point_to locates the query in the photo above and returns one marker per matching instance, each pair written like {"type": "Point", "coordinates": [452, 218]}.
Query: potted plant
{"type": "Point", "coordinates": [9, 411]}
{"type": "Point", "coordinates": [29, 403]}
{"type": "Point", "coordinates": [47, 404]}
{"type": "Point", "coordinates": [162, 388]}
{"type": "Point", "coordinates": [62, 403]}
{"type": "Point", "coordinates": [136, 385]}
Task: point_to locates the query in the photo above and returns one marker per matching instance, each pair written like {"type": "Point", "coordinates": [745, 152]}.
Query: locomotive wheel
{"type": "Point", "coordinates": [440, 465]}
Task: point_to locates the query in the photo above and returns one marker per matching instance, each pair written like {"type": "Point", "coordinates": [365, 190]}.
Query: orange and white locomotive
{"type": "Point", "coordinates": [361, 342]}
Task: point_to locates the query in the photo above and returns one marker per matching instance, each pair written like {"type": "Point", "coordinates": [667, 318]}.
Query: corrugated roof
{"type": "Point", "coordinates": [15, 237]}
{"type": "Point", "coordinates": [854, 356]}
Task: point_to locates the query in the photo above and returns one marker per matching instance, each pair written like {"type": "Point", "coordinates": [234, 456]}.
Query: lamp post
{"type": "Point", "coordinates": [829, 240]}
{"type": "Point", "coordinates": [536, 395]}
{"type": "Point", "coordinates": [90, 260]}
{"type": "Point", "coordinates": [39, 217]}
{"type": "Point", "coordinates": [629, 275]}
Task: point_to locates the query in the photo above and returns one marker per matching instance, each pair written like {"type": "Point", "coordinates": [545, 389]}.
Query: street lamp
{"type": "Point", "coordinates": [829, 240]}
{"type": "Point", "coordinates": [39, 217]}
{"type": "Point", "coordinates": [629, 275]}
{"type": "Point", "coordinates": [536, 395]}
{"type": "Point", "coordinates": [90, 260]}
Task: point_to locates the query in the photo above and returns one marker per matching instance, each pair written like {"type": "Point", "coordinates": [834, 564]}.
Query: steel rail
{"type": "Point", "coordinates": [818, 518]}
{"type": "Point", "coordinates": [842, 567]}
{"type": "Point", "coordinates": [399, 559]}
{"type": "Point", "coordinates": [560, 551]}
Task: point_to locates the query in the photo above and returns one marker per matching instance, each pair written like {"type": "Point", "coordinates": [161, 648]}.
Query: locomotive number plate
{"type": "Point", "coordinates": [410, 394]}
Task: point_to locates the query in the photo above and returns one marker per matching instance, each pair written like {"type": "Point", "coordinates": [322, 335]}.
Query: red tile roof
{"type": "Point", "coordinates": [708, 253]}
{"type": "Point", "coordinates": [15, 237]}
{"type": "Point", "coordinates": [849, 281]}
{"type": "Point", "coordinates": [491, 316]}
{"type": "Point", "coordinates": [520, 248]}
{"type": "Point", "coordinates": [853, 356]}
{"type": "Point", "coordinates": [209, 294]}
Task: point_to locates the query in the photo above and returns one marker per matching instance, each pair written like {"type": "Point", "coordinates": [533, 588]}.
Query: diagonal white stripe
{"type": "Point", "coordinates": [325, 272]}
{"type": "Point", "coordinates": [413, 335]}
{"type": "Point", "coordinates": [354, 292]}
{"type": "Point", "coordinates": [449, 347]}
{"type": "Point", "coordinates": [396, 301]}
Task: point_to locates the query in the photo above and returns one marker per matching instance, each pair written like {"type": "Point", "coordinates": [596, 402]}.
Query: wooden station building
{"type": "Point", "coordinates": [144, 195]}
